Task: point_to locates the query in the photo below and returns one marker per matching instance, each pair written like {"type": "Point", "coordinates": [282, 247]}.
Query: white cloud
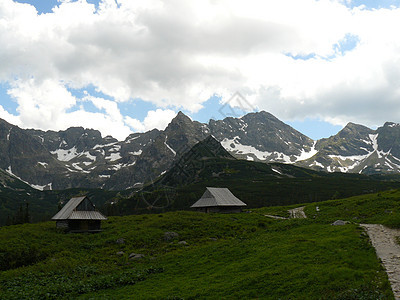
{"type": "Point", "coordinates": [47, 105]}
{"type": "Point", "coordinates": [43, 103]}
{"type": "Point", "coordinates": [179, 53]}
{"type": "Point", "coordinates": [5, 115]}
{"type": "Point", "coordinates": [155, 119]}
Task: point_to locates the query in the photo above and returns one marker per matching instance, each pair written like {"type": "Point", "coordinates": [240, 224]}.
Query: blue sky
{"type": "Point", "coordinates": [130, 66]}
{"type": "Point", "coordinates": [46, 6]}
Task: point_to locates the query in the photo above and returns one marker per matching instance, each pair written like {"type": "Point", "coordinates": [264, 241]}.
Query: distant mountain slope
{"type": "Point", "coordinates": [262, 137]}
{"type": "Point", "coordinates": [7, 181]}
{"type": "Point", "coordinates": [79, 157]}
{"type": "Point", "coordinates": [158, 155]}
{"type": "Point", "coordinates": [26, 158]}
{"type": "Point", "coordinates": [187, 169]}
{"type": "Point", "coordinates": [358, 149]}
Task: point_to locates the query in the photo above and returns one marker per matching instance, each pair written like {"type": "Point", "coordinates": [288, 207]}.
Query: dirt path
{"type": "Point", "coordinates": [276, 217]}
{"type": "Point", "coordinates": [297, 213]}
{"type": "Point", "coordinates": [384, 241]}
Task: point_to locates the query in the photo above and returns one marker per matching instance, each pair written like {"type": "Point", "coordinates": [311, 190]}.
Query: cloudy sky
{"type": "Point", "coordinates": [123, 66]}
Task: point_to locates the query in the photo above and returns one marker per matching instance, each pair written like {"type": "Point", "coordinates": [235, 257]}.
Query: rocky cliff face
{"type": "Point", "coordinates": [79, 157]}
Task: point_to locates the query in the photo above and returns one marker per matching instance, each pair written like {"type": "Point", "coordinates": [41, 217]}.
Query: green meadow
{"type": "Point", "coordinates": [214, 256]}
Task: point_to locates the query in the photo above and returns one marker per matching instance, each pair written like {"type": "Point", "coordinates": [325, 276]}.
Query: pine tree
{"type": "Point", "coordinates": [9, 221]}
{"type": "Point", "coordinates": [27, 216]}
{"type": "Point", "coordinates": [18, 218]}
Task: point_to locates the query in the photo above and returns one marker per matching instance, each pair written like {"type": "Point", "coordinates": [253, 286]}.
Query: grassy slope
{"type": "Point", "coordinates": [379, 208]}
{"type": "Point", "coordinates": [227, 256]}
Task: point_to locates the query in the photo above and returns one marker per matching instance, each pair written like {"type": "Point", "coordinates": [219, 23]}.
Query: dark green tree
{"type": "Point", "coordinates": [27, 216]}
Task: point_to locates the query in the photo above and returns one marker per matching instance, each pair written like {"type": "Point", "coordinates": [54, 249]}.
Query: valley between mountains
{"type": "Point", "coordinates": [82, 158]}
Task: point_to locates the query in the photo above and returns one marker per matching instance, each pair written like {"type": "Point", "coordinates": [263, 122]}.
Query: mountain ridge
{"type": "Point", "coordinates": [79, 157]}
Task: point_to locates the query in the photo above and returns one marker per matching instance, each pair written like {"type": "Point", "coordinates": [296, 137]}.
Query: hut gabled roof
{"type": "Point", "coordinates": [218, 197]}
{"type": "Point", "coordinates": [69, 211]}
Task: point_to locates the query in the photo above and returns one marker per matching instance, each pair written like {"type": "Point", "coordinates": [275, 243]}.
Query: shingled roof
{"type": "Point", "coordinates": [70, 212]}
{"type": "Point", "coordinates": [218, 197]}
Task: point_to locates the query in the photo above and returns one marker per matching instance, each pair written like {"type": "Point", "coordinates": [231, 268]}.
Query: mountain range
{"type": "Point", "coordinates": [79, 157]}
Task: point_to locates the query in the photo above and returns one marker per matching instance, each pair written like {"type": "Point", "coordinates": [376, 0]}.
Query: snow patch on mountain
{"type": "Point", "coordinates": [89, 156]}
{"type": "Point", "coordinates": [76, 166]}
{"type": "Point", "coordinates": [276, 171]}
{"type": "Point", "coordinates": [283, 158]}
{"type": "Point", "coordinates": [71, 170]}
{"type": "Point", "coordinates": [48, 186]}
{"type": "Point", "coordinates": [233, 145]}
{"type": "Point", "coordinates": [351, 157]}
{"type": "Point", "coordinates": [244, 126]}
{"type": "Point", "coordinates": [347, 163]}
{"type": "Point", "coordinates": [318, 164]}
{"type": "Point", "coordinates": [168, 146]}
{"type": "Point", "coordinates": [374, 141]}
{"type": "Point", "coordinates": [65, 155]}
{"type": "Point", "coordinates": [136, 153]}
{"type": "Point", "coordinates": [307, 154]}
{"type": "Point", "coordinates": [113, 156]}
{"type": "Point", "coordinates": [131, 139]}
{"type": "Point", "coordinates": [8, 135]}
{"type": "Point", "coordinates": [43, 164]}
{"type": "Point", "coordinates": [104, 145]}
{"type": "Point", "coordinates": [389, 165]}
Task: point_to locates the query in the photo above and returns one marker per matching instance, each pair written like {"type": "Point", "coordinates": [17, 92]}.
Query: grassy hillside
{"type": "Point", "coordinates": [224, 256]}
{"type": "Point", "coordinates": [379, 208]}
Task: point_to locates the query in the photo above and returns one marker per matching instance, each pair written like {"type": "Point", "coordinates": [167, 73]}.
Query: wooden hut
{"type": "Point", "coordinates": [79, 215]}
{"type": "Point", "coordinates": [219, 200]}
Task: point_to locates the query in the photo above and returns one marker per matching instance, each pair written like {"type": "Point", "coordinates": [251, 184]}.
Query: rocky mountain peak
{"type": "Point", "coordinates": [181, 118]}
{"type": "Point", "coordinates": [352, 129]}
{"type": "Point", "coordinates": [261, 115]}
{"type": "Point", "coordinates": [391, 124]}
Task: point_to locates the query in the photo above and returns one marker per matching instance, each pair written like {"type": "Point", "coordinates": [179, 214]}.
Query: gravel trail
{"type": "Point", "coordinates": [384, 241]}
